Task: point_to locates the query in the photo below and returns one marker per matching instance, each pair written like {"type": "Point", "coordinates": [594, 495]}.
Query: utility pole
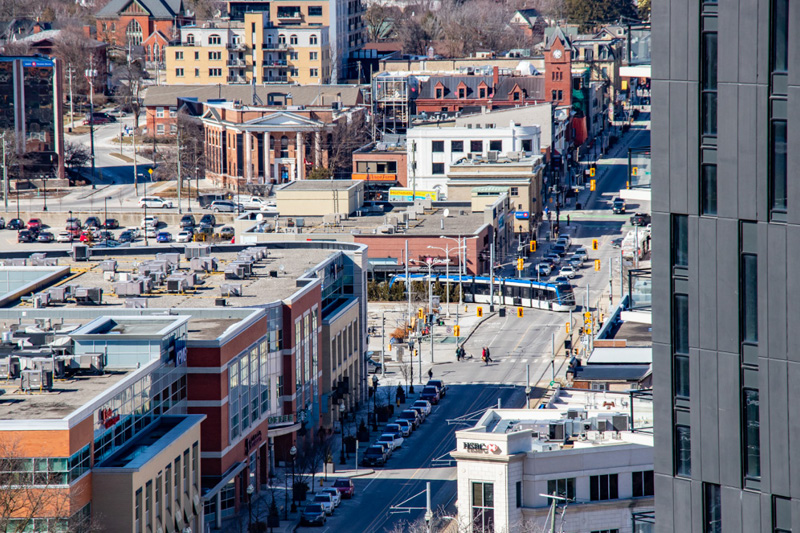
{"type": "Point", "coordinates": [383, 343]}
{"type": "Point", "coordinates": [491, 273]}
{"type": "Point", "coordinates": [180, 183]}
{"type": "Point", "coordinates": [428, 512]}
{"type": "Point", "coordinates": [5, 174]}
{"type": "Point", "coordinates": [91, 73]}
{"type": "Point", "coordinates": [135, 171]}
{"type": "Point", "coordinates": [70, 71]}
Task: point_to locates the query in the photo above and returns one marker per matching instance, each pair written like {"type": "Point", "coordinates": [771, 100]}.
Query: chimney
{"type": "Point", "coordinates": [495, 76]}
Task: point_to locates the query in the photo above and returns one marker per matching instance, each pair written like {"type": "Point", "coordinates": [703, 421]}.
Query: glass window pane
{"type": "Point", "coordinates": [709, 112]}
{"type": "Point", "coordinates": [780, 35]}
{"type": "Point", "coordinates": [680, 240]}
{"type": "Point", "coordinates": [782, 514]}
{"type": "Point", "coordinates": [709, 61]}
{"type": "Point", "coordinates": [713, 509]}
{"type": "Point", "coordinates": [681, 372]}
{"type": "Point", "coordinates": [778, 165]}
{"type": "Point", "coordinates": [683, 451]}
{"type": "Point", "coordinates": [708, 189]}
{"type": "Point", "coordinates": [680, 326]}
{"type": "Point", "coordinates": [749, 298]}
{"type": "Point", "coordinates": [752, 435]}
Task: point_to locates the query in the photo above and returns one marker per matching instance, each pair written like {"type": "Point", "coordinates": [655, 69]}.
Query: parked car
{"type": "Point", "coordinates": [392, 440]}
{"type": "Point", "coordinates": [150, 232]}
{"type": "Point", "coordinates": [641, 219]}
{"type": "Point", "coordinates": [150, 221]}
{"type": "Point", "coordinates": [187, 221]}
{"type": "Point", "coordinates": [313, 514]}
{"type": "Point", "coordinates": [400, 429]}
{"type": "Point", "coordinates": [618, 206]}
{"type": "Point", "coordinates": [45, 236]}
{"type": "Point", "coordinates": [222, 206]}
{"type": "Point", "coordinates": [407, 425]}
{"type": "Point", "coordinates": [425, 404]}
{"type": "Point", "coordinates": [15, 224]}
{"type": "Point", "coordinates": [335, 495]}
{"type": "Point", "coordinates": [558, 249]}
{"type": "Point", "coordinates": [226, 232]}
{"type": "Point", "coordinates": [411, 416]}
{"type": "Point", "coordinates": [26, 236]}
{"type": "Point", "coordinates": [345, 487]}
{"type": "Point", "coordinates": [420, 411]}
{"type": "Point", "coordinates": [568, 271]}
{"type": "Point", "coordinates": [563, 241]}
{"type": "Point", "coordinates": [126, 236]}
{"type": "Point", "coordinates": [64, 236]}
{"type": "Point", "coordinates": [554, 258]}
{"type": "Point", "coordinates": [73, 223]}
{"type": "Point", "coordinates": [430, 394]}
{"type": "Point", "coordinates": [87, 236]}
{"type": "Point", "coordinates": [387, 449]}
{"type": "Point", "coordinates": [97, 119]}
{"type": "Point", "coordinates": [184, 236]}
{"type": "Point", "coordinates": [543, 269]}
{"type": "Point", "coordinates": [439, 384]}
{"type": "Point", "coordinates": [251, 202]}
{"type": "Point", "coordinates": [374, 456]}
{"type": "Point", "coordinates": [560, 280]}
{"type": "Point", "coordinates": [111, 223]}
{"type": "Point", "coordinates": [92, 223]}
{"type": "Point", "coordinates": [204, 229]}
{"type": "Point", "coordinates": [2, 222]}
{"type": "Point", "coordinates": [115, 112]}
{"type": "Point", "coordinates": [326, 500]}
{"type": "Point", "coordinates": [34, 224]}
{"type": "Point", "coordinates": [208, 219]}
{"type": "Point", "coordinates": [582, 253]}
{"type": "Point", "coordinates": [105, 234]}
{"type": "Point", "coordinates": [154, 202]}
{"type": "Point", "coordinates": [164, 236]}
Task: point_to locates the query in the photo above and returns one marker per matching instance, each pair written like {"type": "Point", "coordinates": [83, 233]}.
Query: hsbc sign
{"type": "Point", "coordinates": [481, 447]}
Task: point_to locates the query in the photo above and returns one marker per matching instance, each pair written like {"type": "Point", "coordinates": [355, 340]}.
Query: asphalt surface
{"type": "Point", "coordinates": [401, 483]}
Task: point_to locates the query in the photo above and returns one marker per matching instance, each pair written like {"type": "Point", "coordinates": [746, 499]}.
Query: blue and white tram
{"type": "Point", "coordinates": [508, 291]}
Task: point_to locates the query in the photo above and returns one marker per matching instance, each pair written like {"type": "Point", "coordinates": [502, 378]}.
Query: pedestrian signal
{"type": "Point", "coordinates": [519, 312]}
{"type": "Point", "coordinates": [480, 312]}
{"type": "Point", "coordinates": [597, 264]}
{"type": "Point", "coordinates": [595, 244]}
{"type": "Point", "coordinates": [457, 331]}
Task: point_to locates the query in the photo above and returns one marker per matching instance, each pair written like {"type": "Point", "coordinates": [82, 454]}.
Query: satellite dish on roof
{"type": "Point", "coordinates": [260, 217]}
{"type": "Point", "coordinates": [446, 212]}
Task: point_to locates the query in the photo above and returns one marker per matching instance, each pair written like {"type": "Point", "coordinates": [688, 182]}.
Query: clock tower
{"type": "Point", "coordinates": [558, 68]}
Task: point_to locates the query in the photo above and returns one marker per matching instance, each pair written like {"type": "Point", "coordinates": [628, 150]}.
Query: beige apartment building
{"type": "Point", "coordinates": [231, 52]}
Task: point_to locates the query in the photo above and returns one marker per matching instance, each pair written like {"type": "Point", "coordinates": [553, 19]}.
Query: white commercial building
{"type": "Point", "coordinates": [582, 448]}
{"type": "Point", "coordinates": [432, 148]}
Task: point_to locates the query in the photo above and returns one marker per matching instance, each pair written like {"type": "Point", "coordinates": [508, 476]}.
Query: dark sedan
{"type": "Point", "coordinates": [26, 236]}
{"type": "Point", "coordinates": [15, 224]}
{"type": "Point", "coordinates": [111, 223]}
{"type": "Point", "coordinates": [45, 236]}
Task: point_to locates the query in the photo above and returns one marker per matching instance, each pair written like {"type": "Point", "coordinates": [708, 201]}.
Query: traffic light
{"type": "Point", "coordinates": [420, 313]}
{"type": "Point", "coordinates": [588, 329]}
{"type": "Point", "coordinates": [415, 353]}
{"type": "Point", "coordinates": [587, 316]}
{"type": "Point", "coordinates": [457, 330]}
{"type": "Point", "coordinates": [533, 246]}
{"type": "Point", "coordinates": [566, 326]}
{"type": "Point", "coordinates": [480, 312]}
{"type": "Point", "coordinates": [595, 244]}
{"type": "Point", "coordinates": [592, 171]}
{"type": "Point", "coordinates": [597, 264]}
{"type": "Point", "coordinates": [519, 312]}
{"type": "Point", "coordinates": [592, 185]}
{"type": "Point", "coordinates": [520, 263]}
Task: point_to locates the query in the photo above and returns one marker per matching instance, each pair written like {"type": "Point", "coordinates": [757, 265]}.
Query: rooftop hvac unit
{"type": "Point", "coordinates": [620, 422]}
{"type": "Point", "coordinates": [43, 363]}
{"type": "Point", "coordinates": [176, 284]}
{"type": "Point", "coordinates": [147, 284]}
{"type": "Point", "coordinates": [128, 288]}
{"type": "Point", "coordinates": [60, 294]}
{"type": "Point", "coordinates": [386, 229]}
{"type": "Point", "coordinates": [33, 380]}
{"type": "Point", "coordinates": [220, 302]}
{"type": "Point", "coordinates": [231, 289]}
{"type": "Point", "coordinates": [602, 425]}
{"type": "Point", "coordinates": [9, 367]}
{"type": "Point", "coordinates": [173, 258]}
{"type": "Point", "coordinates": [109, 265]}
{"type": "Point", "coordinates": [41, 300]}
{"type": "Point", "coordinates": [89, 295]}
{"type": "Point", "coordinates": [157, 278]}
{"type": "Point", "coordinates": [247, 267]}
{"type": "Point", "coordinates": [300, 222]}
{"type": "Point", "coordinates": [37, 259]}
{"type": "Point", "coordinates": [203, 264]}
{"type": "Point", "coordinates": [197, 250]}
{"type": "Point", "coordinates": [81, 252]}
{"type": "Point", "coordinates": [557, 431]}
{"type": "Point", "coordinates": [59, 367]}
{"type": "Point", "coordinates": [491, 155]}
{"type": "Point", "coordinates": [234, 271]}
{"type": "Point", "coordinates": [191, 279]}
{"type": "Point", "coordinates": [93, 362]}
{"type": "Point", "coordinates": [136, 303]}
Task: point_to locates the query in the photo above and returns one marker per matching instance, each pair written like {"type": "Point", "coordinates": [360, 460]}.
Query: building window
{"type": "Point", "coordinates": [314, 72]}
{"type": "Point", "coordinates": [159, 112]}
{"type": "Point", "coordinates": [680, 324]}
{"type": "Point", "coordinates": [642, 483]}
{"type": "Point", "coordinates": [197, 56]}
{"type": "Point", "coordinates": [148, 506]}
{"type": "Point", "coordinates": [554, 95]}
{"type": "Point", "coordinates": [293, 39]}
{"type": "Point", "coordinates": [215, 72]}
{"type": "Point", "coordinates": [197, 73]}
{"type": "Point", "coordinates": [159, 483]}
{"type": "Point", "coordinates": [482, 507]}
{"type": "Point", "coordinates": [437, 146]}
{"type": "Point", "coordinates": [680, 240]}
{"type": "Point", "coordinates": [683, 449]}
{"type": "Point", "coordinates": [313, 56]}
{"type": "Point", "coordinates": [160, 129]}
{"type": "Point", "coordinates": [496, 146]}
{"type": "Point", "coordinates": [562, 487]}
{"type": "Point", "coordinates": [476, 147]}
{"type": "Point", "coordinates": [314, 11]}
{"type": "Point", "coordinates": [777, 155]}
{"type": "Point", "coordinates": [456, 146]}
{"type": "Point", "coordinates": [708, 76]}
{"type": "Point", "coordinates": [514, 191]}
{"type": "Point", "coordinates": [516, 95]}
{"type": "Point", "coordinates": [603, 487]}
{"type": "Point", "coordinates": [173, 112]}
{"type": "Point", "coordinates": [133, 33]}
{"type": "Point", "coordinates": [281, 39]}
{"type": "Point", "coordinates": [519, 493]}
{"type": "Point", "coordinates": [168, 488]}
{"type": "Point", "coordinates": [780, 36]}
{"type": "Point", "coordinates": [214, 40]}
{"type": "Point", "coordinates": [482, 92]}
{"type": "Point", "coordinates": [179, 55]}
{"type": "Point", "coordinates": [708, 182]}
{"type": "Point", "coordinates": [312, 39]}
{"type": "Point", "coordinates": [179, 72]}
{"type": "Point", "coordinates": [215, 56]}
{"type": "Point", "coordinates": [462, 93]}
{"type": "Point", "coordinates": [527, 145]}
{"type": "Point", "coordinates": [439, 92]}
{"type": "Point", "coordinates": [173, 128]}
{"type": "Point", "coordinates": [712, 509]}
{"type": "Point", "coordinates": [437, 169]}
{"type": "Point", "coordinates": [749, 298]}
{"type": "Point", "coordinates": [137, 517]}
{"type": "Point", "coordinates": [781, 515]}
{"type": "Point", "coordinates": [752, 434]}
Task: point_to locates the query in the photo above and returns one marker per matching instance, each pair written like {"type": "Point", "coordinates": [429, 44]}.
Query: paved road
{"type": "Point", "coordinates": [411, 467]}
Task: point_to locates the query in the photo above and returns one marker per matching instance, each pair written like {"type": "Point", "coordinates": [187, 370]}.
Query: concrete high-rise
{"type": "Point", "coordinates": [726, 223]}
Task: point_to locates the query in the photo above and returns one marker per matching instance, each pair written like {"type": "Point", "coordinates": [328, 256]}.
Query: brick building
{"type": "Point", "coordinates": [151, 24]}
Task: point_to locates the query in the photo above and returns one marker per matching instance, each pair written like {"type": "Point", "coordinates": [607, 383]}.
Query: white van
{"type": "Point", "coordinates": [154, 202]}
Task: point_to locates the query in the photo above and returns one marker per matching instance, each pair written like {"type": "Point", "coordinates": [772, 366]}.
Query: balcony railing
{"type": "Point", "coordinates": [236, 46]}
{"type": "Point", "coordinates": [276, 79]}
{"type": "Point", "coordinates": [236, 63]}
{"type": "Point", "coordinates": [284, 15]}
{"type": "Point", "coordinates": [274, 46]}
{"type": "Point", "coordinates": [276, 64]}
{"type": "Point", "coordinates": [237, 79]}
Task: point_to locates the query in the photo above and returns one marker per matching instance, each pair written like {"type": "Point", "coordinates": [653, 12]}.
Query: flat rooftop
{"type": "Point", "coordinates": [65, 397]}
{"type": "Point", "coordinates": [319, 185]}
{"type": "Point", "coordinates": [432, 222]}
{"type": "Point", "coordinates": [635, 333]}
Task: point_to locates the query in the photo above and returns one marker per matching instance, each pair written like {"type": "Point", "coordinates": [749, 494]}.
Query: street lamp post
{"type": "Point", "coordinates": [105, 210]}
{"type": "Point", "coordinates": [293, 452]}
{"type": "Point", "coordinates": [374, 402]}
{"type": "Point", "coordinates": [250, 490]}
{"type": "Point", "coordinates": [44, 186]}
{"type": "Point", "coordinates": [342, 455]}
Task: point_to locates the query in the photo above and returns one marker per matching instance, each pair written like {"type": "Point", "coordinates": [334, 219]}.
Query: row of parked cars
{"type": "Point", "coordinates": [559, 257]}
{"type": "Point", "coordinates": [243, 203]}
{"type": "Point", "coordinates": [405, 423]}
{"type": "Point", "coordinates": [326, 501]}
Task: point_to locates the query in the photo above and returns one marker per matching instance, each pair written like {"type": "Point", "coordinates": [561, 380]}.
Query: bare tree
{"type": "Point", "coordinates": [75, 155]}
{"type": "Point", "coordinates": [380, 20]}
{"type": "Point", "coordinates": [349, 133]}
{"type": "Point", "coordinates": [129, 78]}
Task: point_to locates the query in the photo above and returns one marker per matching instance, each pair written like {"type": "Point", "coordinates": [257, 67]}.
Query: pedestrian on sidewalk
{"type": "Point", "coordinates": [430, 373]}
{"type": "Point", "coordinates": [567, 220]}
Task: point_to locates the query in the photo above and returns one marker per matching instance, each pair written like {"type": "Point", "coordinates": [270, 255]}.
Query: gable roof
{"type": "Point", "coordinates": [530, 15]}
{"type": "Point", "coordinates": [559, 34]}
{"type": "Point", "coordinates": [532, 85]}
{"type": "Point", "coordinates": [159, 9]}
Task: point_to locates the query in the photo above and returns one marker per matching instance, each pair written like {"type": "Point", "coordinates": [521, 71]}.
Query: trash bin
{"type": "Point", "coordinates": [577, 205]}
{"type": "Point", "coordinates": [502, 312]}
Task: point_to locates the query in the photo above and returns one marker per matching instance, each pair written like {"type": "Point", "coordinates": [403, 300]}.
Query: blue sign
{"type": "Point", "coordinates": [37, 63]}
{"type": "Point", "coordinates": [181, 352]}
{"type": "Point", "coordinates": [522, 215]}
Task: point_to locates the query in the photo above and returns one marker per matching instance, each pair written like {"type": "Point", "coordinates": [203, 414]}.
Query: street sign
{"type": "Point", "coordinates": [449, 330]}
{"type": "Point", "coordinates": [522, 215]}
